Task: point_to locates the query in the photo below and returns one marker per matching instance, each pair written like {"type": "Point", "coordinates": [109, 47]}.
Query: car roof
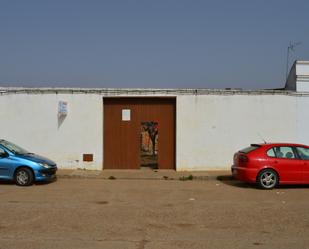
{"type": "Point", "coordinates": [282, 144]}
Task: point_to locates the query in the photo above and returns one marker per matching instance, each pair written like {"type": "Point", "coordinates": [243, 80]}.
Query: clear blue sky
{"type": "Point", "coordinates": [154, 43]}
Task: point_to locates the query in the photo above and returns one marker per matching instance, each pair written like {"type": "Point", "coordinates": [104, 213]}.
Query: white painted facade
{"type": "Point", "coordinates": [298, 79]}
{"type": "Point", "coordinates": [221, 125]}
{"type": "Point", "coordinates": [31, 121]}
{"type": "Point", "coordinates": [210, 124]}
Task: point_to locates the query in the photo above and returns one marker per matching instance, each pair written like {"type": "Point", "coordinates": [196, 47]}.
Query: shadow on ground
{"type": "Point", "coordinates": [7, 182]}
{"type": "Point", "coordinates": [303, 186]}
{"type": "Point", "coordinates": [229, 180]}
{"type": "Point", "coordinates": [46, 182]}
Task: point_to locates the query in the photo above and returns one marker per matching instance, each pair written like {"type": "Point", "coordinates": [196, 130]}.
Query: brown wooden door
{"type": "Point", "coordinates": [122, 138]}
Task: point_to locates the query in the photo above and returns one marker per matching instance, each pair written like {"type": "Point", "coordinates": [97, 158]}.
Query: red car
{"type": "Point", "coordinates": [269, 165]}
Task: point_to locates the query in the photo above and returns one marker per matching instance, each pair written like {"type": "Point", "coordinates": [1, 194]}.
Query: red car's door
{"type": "Point", "coordinates": [289, 166]}
{"type": "Point", "coordinates": [303, 154]}
{"type": "Point", "coordinates": [306, 171]}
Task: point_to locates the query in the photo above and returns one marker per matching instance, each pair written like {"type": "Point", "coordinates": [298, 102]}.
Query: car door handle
{"type": "Point", "coordinates": [276, 161]}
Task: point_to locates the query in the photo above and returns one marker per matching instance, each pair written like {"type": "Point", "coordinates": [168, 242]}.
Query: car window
{"type": "Point", "coordinates": [285, 152]}
{"type": "Point", "coordinates": [13, 147]}
{"type": "Point", "coordinates": [303, 153]}
{"type": "Point", "coordinates": [252, 147]}
{"type": "Point", "coordinates": [2, 151]}
{"type": "Point", "coordinates": [271, 152]}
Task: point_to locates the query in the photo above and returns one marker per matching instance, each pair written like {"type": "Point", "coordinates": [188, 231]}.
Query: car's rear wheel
{"type": "Point", "coordinates": [24, 177]}
{"type": "Point", "coordinates": [267, 179]}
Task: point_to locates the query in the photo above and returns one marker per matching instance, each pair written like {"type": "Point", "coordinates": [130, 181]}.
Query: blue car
{"type": "Point", "coordinates": [24, 167]}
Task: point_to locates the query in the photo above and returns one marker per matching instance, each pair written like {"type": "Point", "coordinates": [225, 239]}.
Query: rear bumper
{"type": "Point", "coordinates": [244, 174]}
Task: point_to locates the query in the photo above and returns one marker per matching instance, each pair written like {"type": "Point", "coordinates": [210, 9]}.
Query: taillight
{"type": "Point", "coordinates": [243, 158]}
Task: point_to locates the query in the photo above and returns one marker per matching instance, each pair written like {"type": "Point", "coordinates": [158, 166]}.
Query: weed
{"type": "Point", "coordinates": [186, 178]}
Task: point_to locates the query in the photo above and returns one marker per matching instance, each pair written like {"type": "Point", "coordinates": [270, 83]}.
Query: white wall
{"type": "Point", "coordinates": [31, 121]}
{"type": "Point", "coordinates": [211, 128]}
{"type": "Point", "coordinates": [302, 119]}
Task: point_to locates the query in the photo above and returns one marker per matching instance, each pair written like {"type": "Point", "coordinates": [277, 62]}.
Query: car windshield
{"type": "Point", "coordinates": [13, 148]}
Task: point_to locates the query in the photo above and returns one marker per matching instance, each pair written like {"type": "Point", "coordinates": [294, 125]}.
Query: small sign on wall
{"type": "Point", "coordinates": [126, 114]}
{"type": "Point", "coordinates": [62, 108]}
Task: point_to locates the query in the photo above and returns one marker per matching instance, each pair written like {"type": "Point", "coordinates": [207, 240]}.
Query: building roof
{"type": "Point", "coordinates": [143, 91]}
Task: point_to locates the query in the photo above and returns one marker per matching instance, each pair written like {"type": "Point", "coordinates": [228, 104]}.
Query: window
{"type": "Point", "coordinates": [303, 153]}
{"type": "Point", "coordinates": [250, 148]}
{"type": "Point", "coordinates": [13, 148]}
{"type": "Point", "coordinates": [2, 153]}
{"type": "Point", "coordinates": [271, 153]}
{"type": "Point", "coordinates": [284, 152]}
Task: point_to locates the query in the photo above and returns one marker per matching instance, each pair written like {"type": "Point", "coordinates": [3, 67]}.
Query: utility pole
{"type": "Point", "coordinates": [291, 47]}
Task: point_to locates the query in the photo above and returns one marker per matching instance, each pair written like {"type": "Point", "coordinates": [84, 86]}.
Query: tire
{"type": "Point", "coordinates": [24, 177]}
{"type": "Point", "coordinates": [267, 179]}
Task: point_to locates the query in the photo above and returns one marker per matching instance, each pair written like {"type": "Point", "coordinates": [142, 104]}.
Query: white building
{"type": "Point", "coordinates": [199, 129]}
{"type": "Point", "coordinates": [298, 79]}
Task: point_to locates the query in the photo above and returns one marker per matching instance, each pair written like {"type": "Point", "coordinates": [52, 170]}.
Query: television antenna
{"type": "Point", "coordinates": [261, 137]}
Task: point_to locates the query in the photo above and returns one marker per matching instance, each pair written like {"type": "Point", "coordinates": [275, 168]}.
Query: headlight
{"type": "Point", "coordinates": [45, 165]}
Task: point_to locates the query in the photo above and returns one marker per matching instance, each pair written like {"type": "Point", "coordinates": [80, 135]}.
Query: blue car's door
{"type": "Point", "coordinates": [4, 169]}
{"type": "Point", "coordinates": [7, 165]}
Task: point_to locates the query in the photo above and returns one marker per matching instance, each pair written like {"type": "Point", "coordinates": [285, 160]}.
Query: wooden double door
{"type": "Point", "coordinates": [139, 132]}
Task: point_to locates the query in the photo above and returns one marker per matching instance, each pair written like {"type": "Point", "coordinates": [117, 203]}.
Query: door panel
{"type": "Point", "coordinates": [305, 171]}
{"type": "Point", "coordinates": [288, 164]}
{"type": "Point", "coordinates": [303, 154]}
{"type": "Point", "coordinates": [7, 167]}
{"type": "Point", "coordinates": [120, 137]}
{"type": "Point", "coordinates": [290, 170]}
{"type": "Point", "coordinates": [4, 169]}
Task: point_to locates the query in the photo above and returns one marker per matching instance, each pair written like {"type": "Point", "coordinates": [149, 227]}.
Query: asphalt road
{"type": "Point", "coordinates": [96, 213]}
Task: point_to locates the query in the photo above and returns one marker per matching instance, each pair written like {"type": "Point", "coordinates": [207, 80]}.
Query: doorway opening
{"type": "Point", "coordinates": [149, 144]}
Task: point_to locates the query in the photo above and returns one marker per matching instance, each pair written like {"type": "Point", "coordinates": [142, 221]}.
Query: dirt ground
{"type": "Point", "coordinates": [96, 213]}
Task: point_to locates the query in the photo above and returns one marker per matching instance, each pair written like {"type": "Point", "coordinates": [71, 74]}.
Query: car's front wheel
{"type": "Point", "coordinates": [267, 179]}
{"type": "Point", "coordinates": [24, 177]}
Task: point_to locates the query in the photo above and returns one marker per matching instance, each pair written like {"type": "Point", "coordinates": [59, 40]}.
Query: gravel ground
{"type": "Point", "coordinates": [96, 213]}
